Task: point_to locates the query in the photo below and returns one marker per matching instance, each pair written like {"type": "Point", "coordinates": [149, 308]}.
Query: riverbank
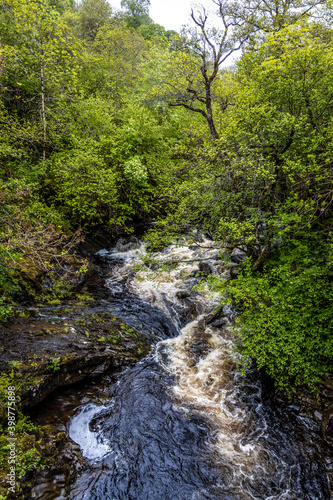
{"type": "Point", "coordinates": [95, 332]}
{"type": "Point", "coordinates": [46, 346]}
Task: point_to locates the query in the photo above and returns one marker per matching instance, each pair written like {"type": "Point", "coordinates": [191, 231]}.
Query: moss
{"type": "Point", "coordinates": [54, 302]}
{"type": "Point", "coordinates": [61, 436]}
{"type": "Point", "coordinates": [28, 271]}
{"type": "Point", "coordinates": [28, 450]}
{"type": "Point", "coordinates": [31, 374]}
{"type": "Point", "coordinates": [114, 339]}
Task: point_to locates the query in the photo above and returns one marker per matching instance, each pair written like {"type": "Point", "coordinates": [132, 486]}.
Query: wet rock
{"type": "Point", "coordinates": [198, 347]}
{"type": "Point", "coordinates": [234, 271]}
{"type": "Point", "coordinates": [318, 407]}
{"type": "Point", "coordinates": [48, 356]}
{"type": "Point", "coordinates": [100, 369]}
{"type": "Point", "coordinates": [237, 256]}
{"type": "Point", "coordinates": [220, 322]}
{"type": "Point", "coordinates": [327, 427]}
{"type": "Point", "coordinates": [183, 294]}
{"type": "Point", "coordinates": [218, 319]}
{"type": "Point", "coordinates": [47, 283]}
{"type": "Point", "coordinates": [102, 257]}
{"type": "Point", "coordinates": [205, 268]}
{"type": "Point", "coordinates": [199, 350]}
{"type": "Point", "coordinates": [49, 484]}
{"type": "Point", "coordinates": [22, 297]}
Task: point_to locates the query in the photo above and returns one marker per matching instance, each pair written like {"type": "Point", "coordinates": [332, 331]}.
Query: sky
{"type": "Point", "coordinates": [171, 14]}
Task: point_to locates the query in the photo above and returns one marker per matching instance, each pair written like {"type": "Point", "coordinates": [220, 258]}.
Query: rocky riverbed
{"type": "Point", "coordinates": [47, 347]}
{"type": "Point", "coordinates": [64, 355]}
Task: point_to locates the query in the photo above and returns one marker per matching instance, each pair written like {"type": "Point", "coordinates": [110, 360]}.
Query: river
{"type": "Point", "coordinates": [184, 423]}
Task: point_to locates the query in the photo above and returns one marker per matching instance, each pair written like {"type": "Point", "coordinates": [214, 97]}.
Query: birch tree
{"type": "Point", "coordinates": [39, 68]}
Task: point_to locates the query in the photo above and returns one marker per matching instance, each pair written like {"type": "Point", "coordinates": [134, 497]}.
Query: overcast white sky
{"type": "Point", "coordinates": [171, 14]}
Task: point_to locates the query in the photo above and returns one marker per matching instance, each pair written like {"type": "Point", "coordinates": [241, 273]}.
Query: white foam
{"type": "Point", "coordinates": [92, 444]}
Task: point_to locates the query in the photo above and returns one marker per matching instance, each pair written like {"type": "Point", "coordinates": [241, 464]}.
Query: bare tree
{"type": "Point", "coordinates": [266, 16]}
{"type": "Point", "coordinates": [212, 47]}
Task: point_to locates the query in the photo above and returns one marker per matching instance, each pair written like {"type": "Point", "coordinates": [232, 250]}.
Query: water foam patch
{"type": "Point", "coordinates": [91, 443]}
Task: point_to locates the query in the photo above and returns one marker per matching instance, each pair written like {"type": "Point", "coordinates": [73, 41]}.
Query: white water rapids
{"type": "Point", "coordinates": [234, 434]}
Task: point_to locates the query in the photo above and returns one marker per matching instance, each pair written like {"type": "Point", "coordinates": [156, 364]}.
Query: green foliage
{"type": "Point", "coordinates": [27, 434]}
{"type": "Point", "coordinates": [134, 170]}
{"type": "Point", "coordinates": [92, 15]}
{"type": "Point", "coordinates": [38, 79]}
{"type": "Point", "coordinates": [55, 366]}
{"type": "Point", "coordinates": [286, 312]}
{"type": "Point", "coordinates": [265, 187]}
{"type": "Point", "coordinates": [6, 285]}
{"type": "Point", "coordinates": [27, 455]}
{"type": "Point", "coordinates": [86, 186]}
{"type": "Point", "coordinates": [31, 234]}
{"type": "Point", "coordinates": [120, 51]}
{"type": "Point", "coordinates": [61, 5]}
{"type": "Point", "coordinates": [115, 166]}
{"type": "Point", "coordinates": [157, 33]}
{"type": "Point", "coordinates": [98, 131]}
{"type": "Point", "coordinates": [136, 12]}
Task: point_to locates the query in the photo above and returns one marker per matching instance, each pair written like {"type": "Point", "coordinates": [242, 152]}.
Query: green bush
{"type": "Point", "coordinates": [286, 312]}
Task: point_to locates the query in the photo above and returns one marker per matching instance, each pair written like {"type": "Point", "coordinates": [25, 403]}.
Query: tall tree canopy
{"type": "Point", "coordinates": [136, 12]}
{"type": "Point", "coordinates": [92, 15]}
{"type": "Point", "coordinates": [271, 15]}
{"type": "Point", "coordinates": [107, 119]}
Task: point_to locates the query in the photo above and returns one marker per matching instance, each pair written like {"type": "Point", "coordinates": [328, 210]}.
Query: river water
{"type": "Point", "coordinates": [184, 423]}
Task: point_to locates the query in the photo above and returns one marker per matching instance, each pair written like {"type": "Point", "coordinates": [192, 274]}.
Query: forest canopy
{"type": "Point", "coordinates": [108, 119]}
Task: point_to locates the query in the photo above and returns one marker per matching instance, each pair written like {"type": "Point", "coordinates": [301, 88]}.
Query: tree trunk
{"type": "Point", "coordinates": [209, 111]}
{"type": "Point", "coordinates": [43, 109]}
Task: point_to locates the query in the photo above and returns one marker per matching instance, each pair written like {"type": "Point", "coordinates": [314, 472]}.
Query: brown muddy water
{"type": "Point", "coordinates": [183, 423]}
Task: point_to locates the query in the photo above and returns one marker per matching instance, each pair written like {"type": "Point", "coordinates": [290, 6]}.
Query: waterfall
{"type": "Point", "coordinates": [184, 423]}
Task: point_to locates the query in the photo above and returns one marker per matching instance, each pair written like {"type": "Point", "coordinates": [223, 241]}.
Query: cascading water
{"type": "Point", "coordinates": [184, 423]}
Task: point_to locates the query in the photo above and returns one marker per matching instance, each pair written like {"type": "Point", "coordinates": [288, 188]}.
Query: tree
{"type": "Point", "coordinates": [39, 70]}
{"type": "Point", "coordinates": [121, 51]}
{"type": "Point", "coordinates": [61, 5]}
{"type": "Point", "coordinates": [92, 15]}
{"type": "Point", "coordinates": [213, 47]}
{"type": "Point", "coordinates": [266, 16]}
{"type": "Point", "coordinates": [189, 76]}
{"type": "Point", "coordinates": [265, 187]}
{"type": "Point", "coordinates": [156, 32]}
{"type": "Point", "coordinates": [136, 12]}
